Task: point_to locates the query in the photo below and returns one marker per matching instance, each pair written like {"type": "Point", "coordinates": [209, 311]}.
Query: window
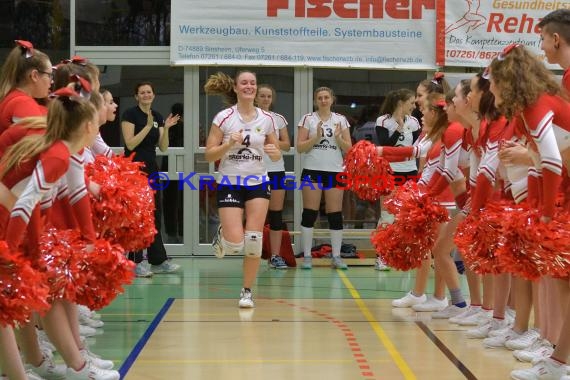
{"type": "Point", "coordinates": [123, 23]}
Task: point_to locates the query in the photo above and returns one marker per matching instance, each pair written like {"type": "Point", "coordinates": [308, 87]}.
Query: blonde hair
{"type": "Point", "coordinates": [522, 79]}
{"type": "Point", "coordinates": [222, 84]}
{"type": "Point", "coordinates": [82, 67]}
{"type": "Point", "coordinates": [17, 66]}
{"type": "Point", "coordinates": [65, 117]}
{"type": "Point", "coordinates": [436, 101]}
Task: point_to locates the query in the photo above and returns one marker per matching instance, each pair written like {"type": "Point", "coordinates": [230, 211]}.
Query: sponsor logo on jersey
{"type": "Point", "coordinates": [245, 154]}
{"type": "Point", "coordinates": [325, 144]}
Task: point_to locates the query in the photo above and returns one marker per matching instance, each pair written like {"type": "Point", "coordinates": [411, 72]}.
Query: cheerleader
{"type": "Point", "coordinates": [276, 171]}
{"type": "Point", "coordinates": [323, 137]}
{"type": "Point", "coordinates": [428, 150]}
{"type": "Point", "coordinates": [26, 75]}
{"type": "Point", "coordinates": [239, 136]}
{"type": "Point", "coordinates": [71, 125]}
{"type": "Point", "coordinates": [493, 129]}
{"type": "Point", "coordinates": [523, 86]}
{"type": "Point", "coordinates": [449, 174]}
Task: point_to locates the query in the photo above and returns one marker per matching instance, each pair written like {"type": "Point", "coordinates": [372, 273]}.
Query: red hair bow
{"type": "Point", "coordinates": [507, 50]}
{"type": "Point", "coordinates": [65, 92]}
{"type": "Point", "coordinates": [437, 77]}
{"type": "Point", "coordinates": [82, 85]}
{"type": "Point", "coordinates": [27, 46]}
{"type": "Point", "coordinates": [77, 59]}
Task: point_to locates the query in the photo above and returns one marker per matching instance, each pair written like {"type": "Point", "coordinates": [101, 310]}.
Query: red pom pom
{"type": "Point", "coordinates": [23, 289]}
{"type": "Point", "coordinates": [369, 175]}
{"type": "Point", "coordinates": [124, 212]}
{"type": "Point", "coordinates": [92, 279]}
{"type": "Point", "coordinates": [479, 236]}
{"type": "Point", "coordinates": [408, 241]}
{"type": "Point", "coordinates": [62, 258]}
{"type": "Point", "coordinates": [108, 271]}
{"type": "Point", "coordinates": [530, 248]}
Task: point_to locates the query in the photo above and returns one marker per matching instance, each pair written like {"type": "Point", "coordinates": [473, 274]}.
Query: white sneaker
{"type": "Point", "coordinates": [501, 331]}
{"type": "Point", "coordinates": [165, 267]}
{"type": "Point", "coordinates": [95, 323]}
{"type": "Point", "coordinates": [484, 330]}
{"type": "Point", "coordinates": [380, 265]}
{"type": "Point", "coordinates": [409, 300]}
{"type": "Point", "coordinates": [466, 313]}
{"type": "Point", "coordinates": [44, 342]}
{"type": "Point", "coordinates": [337, 263]}
{"type": "Point", "coordinates": [539, 350]}
{"type": "Point", "coordinates": [31, 375]}
{"type": "Point", "coordinates": [500, 340]}
{"type": "Point", "coordinates": [246, 299]}
{"type": "Point", "coordinates": [96, 359]}
{"type": "Point", "coordinates": [546, 369]}
{"type": "Point", "coordinates": [307, 263]}
{"type": "Point", "coordinates": [91, 372]}
{"type": "Point", "coordinates": [482, 317]}
{"type": "Point", "coordinates": [87, 331]}
{"type": "Point", "coordinates": [448, 312]}
{"type": "Point", "coordinates": [217, 243]}
{"type": "Point", "coordinates": [48, 369]}
{"type": "Point", "coordinates": [142, 271]}
{"type": "Point", "coordinates": [85, 311]}
{"type": "Point", "coordinates": [524, 341]}
{"type": "Point", "coordinates": [432, 304]}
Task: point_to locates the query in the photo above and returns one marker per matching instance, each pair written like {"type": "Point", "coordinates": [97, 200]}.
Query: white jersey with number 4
{"type": "Point", "coordinates": [245, 159]}
{"type": "Point", "coordinates": [325, 155]}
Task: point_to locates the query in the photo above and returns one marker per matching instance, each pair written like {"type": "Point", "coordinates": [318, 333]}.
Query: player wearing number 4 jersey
{"type": "Point", "coordinates": [238, 138]}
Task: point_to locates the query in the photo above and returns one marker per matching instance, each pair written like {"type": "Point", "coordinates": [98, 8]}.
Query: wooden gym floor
{"type": "Point", "coordinates": [321, 323]}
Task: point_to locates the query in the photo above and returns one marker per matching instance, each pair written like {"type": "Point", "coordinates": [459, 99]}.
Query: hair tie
{"type": "Point", "coordinates": [26, 46]}
{"type": "Point", "coordinates": [440, 103]}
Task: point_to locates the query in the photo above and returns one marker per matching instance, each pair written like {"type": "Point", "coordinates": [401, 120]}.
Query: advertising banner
{"type": "Point", "coordinates": [318, 33]}
{"type": "Point", "coordinates": [473, 32]}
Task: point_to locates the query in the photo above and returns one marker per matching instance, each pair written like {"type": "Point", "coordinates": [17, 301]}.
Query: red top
{"type": "Point", "coordinates": [16, 106]}
{"type": "Point", "coordinates": [541, 119]}
{"type": "Point", "coordinates": [448, 169]}
{"type": "Point", "coordinates": [490, 136]}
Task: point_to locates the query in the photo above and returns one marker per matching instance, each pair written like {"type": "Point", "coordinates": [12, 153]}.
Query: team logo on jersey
{"type": "Point", "coordinates": [155, 124]}
{"type": "Point", "coordinates": [245, 154]}
{"type": "Point", "coordinates": [258, 129]}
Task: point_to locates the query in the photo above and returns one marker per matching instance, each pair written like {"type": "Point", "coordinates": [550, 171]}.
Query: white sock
{"type": "Point", "coordinates": [336, 242]}
{"type": "Point", "coordinates": [307, 238]}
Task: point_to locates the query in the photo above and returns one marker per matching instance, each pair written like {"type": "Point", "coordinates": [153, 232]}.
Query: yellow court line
{"type": "Point", "coordinates": [380, 333]}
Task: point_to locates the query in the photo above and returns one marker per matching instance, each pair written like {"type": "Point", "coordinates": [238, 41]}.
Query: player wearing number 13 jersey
{"type": "Point", "coordinates": [326, 154]}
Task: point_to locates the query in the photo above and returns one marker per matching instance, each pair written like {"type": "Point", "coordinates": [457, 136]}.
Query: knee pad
{"type": "Point", "coordinates": [253, 243]}
{"type": "Point", "coordinates": [335, 220]}
{"type": "Point", "coordinates": [309, 217]}
{"type": "Point", "coordinates": [275, 220]}
{"type": "Point", "coordinates": [232, 248]}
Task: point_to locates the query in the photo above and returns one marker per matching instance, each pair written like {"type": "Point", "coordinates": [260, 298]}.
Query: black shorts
{"type": "Point", "coordinates": [324, 180]}
{"type": "Point", "coordinates": [277, 180]}
{"type": "Point", "coordinates": [236, 196]}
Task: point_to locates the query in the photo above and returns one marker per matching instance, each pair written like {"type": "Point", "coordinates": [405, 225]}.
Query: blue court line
{"type": "Point", "coordinates": [130, 360]}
